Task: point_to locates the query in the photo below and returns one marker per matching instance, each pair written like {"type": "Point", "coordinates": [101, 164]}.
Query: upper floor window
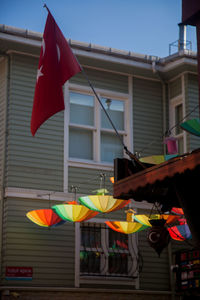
{"type": "Point", "coordinates": [91, 136]}
{"type": "Point", "coordinates": [176, 117]}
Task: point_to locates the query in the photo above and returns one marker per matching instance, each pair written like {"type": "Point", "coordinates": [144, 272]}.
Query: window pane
{"type": "Point", "coordinates": [115, 110]}
{"type": "Point", "coordinates": [110, 147]}
{"type": "Point", "coordinates": [90, 262]}
{"type": "Point", "coordinates": [81, 109]}
{"type": "Point", "coordinates": [118, 263]}
{"type": "Point", "coordinates": [90, 237]}
{"type": "Point", "coordinates": [80, 143]}
{"type": "Point", "coordinates": [118, 240]}
{"type": "Point", "coordinates": [178, 117]}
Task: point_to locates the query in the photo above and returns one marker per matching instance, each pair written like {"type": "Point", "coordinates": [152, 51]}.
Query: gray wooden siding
{"type": "Point", "coordinates": [3, 111]}
{"type": "Point", "coordinates": [32, 162]}
{"type": "Point", "coordinates": [192, 100]}
{"type": "Point", "coordinates": [103, 80]}
{"type": "Point", "coordinates": [147, 117]}
{"type": "Point", "coordinates": [175, 88]}
{"type": "Point", "coordinates": [50, 252]}
{"type": "Point", "coordinates": [88, 180]}
{"type": "Point", "coordinates": [155, 271]}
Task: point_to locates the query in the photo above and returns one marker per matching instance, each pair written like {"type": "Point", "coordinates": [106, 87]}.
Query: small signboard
{"type": "Point", "coordinates": [19, 273]}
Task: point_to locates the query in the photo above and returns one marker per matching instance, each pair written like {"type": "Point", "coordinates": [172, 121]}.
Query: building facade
{"type": "Point", "coordinates": [146, 96]}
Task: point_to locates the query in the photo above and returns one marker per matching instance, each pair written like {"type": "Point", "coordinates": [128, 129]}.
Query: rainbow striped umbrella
{"type": "Point", "coordinates": [180, 232]}
{"type": "Point", "coordinates": [44, 217]}
{"type": "Point", "coordinates": [103, 203]}
{"type": "Point", "coordinates": [125, 227]}
{"type": "Point", "coordinates": [145, 219]}
{"type": "Point", "coordinates": [73, 212]}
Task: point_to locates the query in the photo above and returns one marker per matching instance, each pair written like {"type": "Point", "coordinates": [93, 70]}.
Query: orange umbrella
{"type": "Point", "coordinates": [44, 217]}
{"type": "Point", "coordinates": [125, 227]}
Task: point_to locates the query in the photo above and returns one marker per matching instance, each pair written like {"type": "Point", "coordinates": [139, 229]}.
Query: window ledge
{"type": "Point", "coordinates": [90, 164]}
{"type": "Point", "coordinates": [108, 280]}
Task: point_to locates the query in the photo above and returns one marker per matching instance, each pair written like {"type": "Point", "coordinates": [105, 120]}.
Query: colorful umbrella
{"type": "Point", "coordinates": [180, 232]}
{"type": "Point", "coordinates": [103, 203]}
{"type": "Point", "coordinates": [177, 211]}
{"type": "Point", "coordinates": [157, 159]}
{"type": "Point", "coordinates": [44, 217]}
{"type": "Point", "coordinates": [125, 227]}
{"type": "Point", "coordinates": [73, 212]}
{"type": "Point", "coordinates": [145, 219]}
{"type": "Point", "coordinates": [192, 126]}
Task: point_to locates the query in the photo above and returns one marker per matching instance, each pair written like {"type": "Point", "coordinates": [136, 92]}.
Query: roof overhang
{"type": "Point", "coordinates": [118, 61]}
{"type": "Point", "coordinates": [172, 183]}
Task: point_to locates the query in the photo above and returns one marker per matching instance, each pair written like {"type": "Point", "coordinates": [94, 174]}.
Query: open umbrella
{"type": "Point", "coordinates": [180, 232]}
{"type": "Point", "coordinates": [128, 226]}
{"type": "Point", "coordinates": [103, 203]}
{"type": "Point", "coordinates": [192, 126]}
{"type": "Point", "coordinates": [125, 227]}
{"type": "Point", "coordinates": [146, 220]}
{"type": "Point", "coordinates": [44, 217]}
{"type": "Point", "coordinates": [73, 212]}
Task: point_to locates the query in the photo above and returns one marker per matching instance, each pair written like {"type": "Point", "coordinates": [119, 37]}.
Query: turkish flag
{"type": "Point", "coordinates": [57, 64]}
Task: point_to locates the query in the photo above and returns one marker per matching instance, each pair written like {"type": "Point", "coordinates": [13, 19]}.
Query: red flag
{"type": "Point", "coordinates": [57, 64]}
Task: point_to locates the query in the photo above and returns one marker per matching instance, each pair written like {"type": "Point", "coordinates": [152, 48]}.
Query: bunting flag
{"type": "Point", "coordinates": [57, 64]}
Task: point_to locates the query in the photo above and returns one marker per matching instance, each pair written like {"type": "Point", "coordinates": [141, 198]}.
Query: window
{"type": "Point", "coordinates": [176, 117]}
{"type": "Point", "coordinates": [104, 252]}
{"type": "Point", "coordinates": [91, 136]}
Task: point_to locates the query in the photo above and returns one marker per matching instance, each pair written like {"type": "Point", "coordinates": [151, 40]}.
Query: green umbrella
{"type": "Point", "coordinates": [192, 126]}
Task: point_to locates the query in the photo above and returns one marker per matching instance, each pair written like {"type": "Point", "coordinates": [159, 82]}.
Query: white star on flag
{"type": "Point", "coordinates": [39, 73]}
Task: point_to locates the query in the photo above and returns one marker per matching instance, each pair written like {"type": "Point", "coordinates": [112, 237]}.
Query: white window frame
{"type": "Point", "coordinates": [122, 280]}
{"type": "Point", "coordinates": [97, 124]}
{"type": "Point", "coordinates": [173, 103]}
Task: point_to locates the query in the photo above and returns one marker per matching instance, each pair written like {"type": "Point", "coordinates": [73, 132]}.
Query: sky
{"type": "Point", "coordinates": [141, 26]}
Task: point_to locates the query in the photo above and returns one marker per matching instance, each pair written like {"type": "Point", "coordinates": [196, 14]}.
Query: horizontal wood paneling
{"type": "Point", "coordinates": [147, 117]}
{"type": "Point", "coordinates": [3, 112]}
{"type": "Point", "coordinates": [102, 80]}
{"type": "Point", "coordinates": [192, 101]}
{"type": "Point", "coordinates": [88, 180]}
{"type": "Point", "coordinates": [32, 162]}
{"type": "Point", "coordinates": [49, 251]}
{"type": "Point", "coordinates": [175, 88]}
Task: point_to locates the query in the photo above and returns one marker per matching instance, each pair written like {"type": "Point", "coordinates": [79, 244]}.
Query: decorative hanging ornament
{"type": "Point", "coordinates": [103, 203]}
{"type": "Point", "coordinates": [128, 226]}
{"type": "Point", "coordinates": [192, 126]}
{"type": "Point", "coordinates": [45, 217]}
{"type": "Point", "coordinates": [171, 143]}
{"type": "Point", "coordinates": [180, 232]}
{"type": "Point", "coordinates": [73, 212]}
{"type": "Point", "coordinates": [158, 236]}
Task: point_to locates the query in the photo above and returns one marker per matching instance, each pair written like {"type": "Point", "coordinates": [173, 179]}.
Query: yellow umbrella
{"type": "Point", "coordinates": [145, 219]}
{"type": "Point", "coordinates": [73, 212]}
{"type": "Point", "coordinates": [125, 227]}
{"type": "Point", "coordinates": [103, 203]}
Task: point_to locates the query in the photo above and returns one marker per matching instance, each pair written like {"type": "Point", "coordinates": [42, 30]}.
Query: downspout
{"type": "Point", "coordinates": [155, 71]}
{"type": "Point", "coordinates": [2, 188]}
{"type": "Point", "coordinates": [164, 85]}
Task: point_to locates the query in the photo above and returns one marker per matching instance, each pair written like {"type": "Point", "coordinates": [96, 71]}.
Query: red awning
{"type": "Point", "coordinates": [173, 183]}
